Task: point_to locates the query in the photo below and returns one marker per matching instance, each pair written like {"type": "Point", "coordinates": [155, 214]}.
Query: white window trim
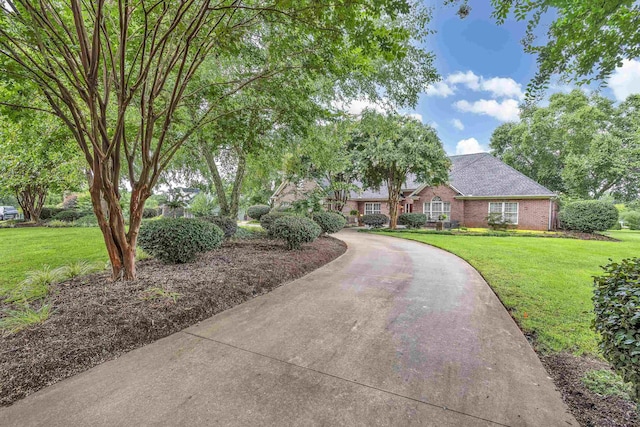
{"type": "Point", "coordinates": [372, 210]}
{"type": "Point", "coordinates": [427, 209]}
{"type": "Point", "coordinates": [502, 210]}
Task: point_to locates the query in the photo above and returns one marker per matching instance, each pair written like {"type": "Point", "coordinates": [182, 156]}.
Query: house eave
{"type": "Point", "coordinates": [521, 196]}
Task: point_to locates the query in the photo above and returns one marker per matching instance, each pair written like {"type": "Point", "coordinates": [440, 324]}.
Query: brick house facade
{"type": "Point", "coordinates": [479, 184]}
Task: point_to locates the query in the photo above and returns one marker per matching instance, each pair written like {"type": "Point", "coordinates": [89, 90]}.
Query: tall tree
{"type": "Point", "coordinates": [118, 72]}
{"type": "Point", "coordinates": [387, 148]}
{"type": "Point", "coordinates": [579, 145]}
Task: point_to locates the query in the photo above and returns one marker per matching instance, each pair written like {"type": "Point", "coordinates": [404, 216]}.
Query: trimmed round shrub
{"type": "Point", "coordinates": [229, 226]}
{"type": "Point", "coordinates": [148, 213]}
{"type": "Point", "coordinates": [295, 230]}
{"type": "Point", "coordinates": [616, 302]}
{"type": "Point", "coordinates": [178, 240]}
{"type": "Point", "coordinates": [588, 216]}
{"type": "Point", "coordinates": [412, 220]}
{"type": "Point", "coordinates": [48, 213]}
{"type": "Point", "coordinates": [268, 219]}
{"type": "Point", "coordinates": [258, 211]}
{"type": "Point", "coordinates": [69, 215]}
{"type": "Point", "coordinates": [330, 222]}
{"type": "Point", "coordinates": [374, 220]}
{"type": "Point", "coordinates": [632, 220]}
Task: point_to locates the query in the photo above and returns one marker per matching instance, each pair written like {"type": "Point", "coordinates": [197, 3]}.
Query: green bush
{"type": "Point", "coordinates": [178, 240]}
{"type": "Point", "coordinates": [86, 221]}
{"type": "Point", "coordinates": [412, 220]}
{"type": "Point", "coordinates": [148, 213]}
{"type": "Point", "coordinates": [48, 213]}
{"type": "Point", "coordinates": [632, 219]}
{"type": "Point", "coordinates": [375, 220]}
{"type": "Point", "coordinates": [588, 216]}
{"type": "Point", "coordinates": [229, 226]}
{"type": "Point", "coordinates": [617, 306]}
{"type": "Point", "coordinates": [56, 223]}
{"type": "Point", "coordinates": [268, 219]}
{"type": "Point", "coordinates": [257, 211]}
{"type": "Point", "coordinates": [69, 215]}
{"type": "Point", "coordinates": [496, 221]}
{"type": "Point", "coordinates": [330, 222]}
{"type": "Point", "coordinates": [354, 212]}
{"type": "Point", "coordinates": [295, 230]}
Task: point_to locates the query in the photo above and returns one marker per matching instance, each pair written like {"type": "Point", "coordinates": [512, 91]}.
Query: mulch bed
{"type": "Point", "coordinates": [96, 320]}
{"type": "Point", "coordinates": [589, 408]}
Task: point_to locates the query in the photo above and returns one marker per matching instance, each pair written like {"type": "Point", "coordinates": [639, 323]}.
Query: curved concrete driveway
{"type": "Point", "coordinates": [392, 333]}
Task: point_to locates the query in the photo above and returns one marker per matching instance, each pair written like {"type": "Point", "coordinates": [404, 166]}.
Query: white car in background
{"type": "Point", "coordinates": [8, 212]}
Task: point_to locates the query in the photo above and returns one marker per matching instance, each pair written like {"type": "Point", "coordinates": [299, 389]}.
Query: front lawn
{"type": "Point", "coordinates": [27, 249]}
{"type": "Point", "coordinates": [546, 283]}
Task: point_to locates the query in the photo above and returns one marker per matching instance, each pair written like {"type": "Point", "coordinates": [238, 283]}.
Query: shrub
{"type": "Point", "coordinates": [617, 306]}
{"type": "Point", "coordinates": [229, 226]}
{"type": "Point", "coordinates": [257, 211]}
{"type": "Point", "coordinates": [295, 230]}
{"type": "Point", "coordinates": [375, 220]}
{"type": "Point", "coordinates": [496, 221]}
{"type": "Point", "coordinates": [412, 220]}
{"type": "Point", "coordinates": [329, 222]}
{"type": "Point", "coordinates": [70, 202]}
{"type": "Point", "coordinates": [178, 240]}
{"type": "Point", "coordinates": [249, 233]}
{"type": "Point", "coordinates": [56, 223]}
{"type": "Point", "coordinates": [354, 212]}
{"type": "Point", "coordinates": [268, 219]}
{"type": "Point", "coordinates": [36, 285]}
{"type": "Point", "coordinates": [148, 213]}
{"type": "Point", "coordinates": [48, 213]}
{"type": "Point", "coordinates": [588, 216]}
{"type": "Point", "coordinates": [79, 268]}
{"type": "Point", "coordinates": [632, 219]}
{"type": "Point", "coordinates": [86, 221]}
{"type": "Point", "coordinates": [69, 215]}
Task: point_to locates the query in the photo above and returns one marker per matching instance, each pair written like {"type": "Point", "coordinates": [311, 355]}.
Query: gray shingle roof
{"type": "Point", "coordinates": [479, 175]}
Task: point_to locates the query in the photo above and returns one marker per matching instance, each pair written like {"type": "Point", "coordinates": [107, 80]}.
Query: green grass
{"type": "Point", "coordinates": [607, 383]}
{"type": "Point", "coordinates": [16, 320]}
{"type": "Point", "coordinates": [545, 282]}
{"type": "Point", "coordinates": [28, 249]}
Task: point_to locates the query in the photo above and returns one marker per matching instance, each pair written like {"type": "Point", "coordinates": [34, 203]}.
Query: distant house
{"type": "Point", "coordinates": [479, 184]}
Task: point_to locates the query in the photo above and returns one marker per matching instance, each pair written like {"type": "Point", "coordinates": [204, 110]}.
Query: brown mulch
{"type": "Point", "coordinates": [589, 408]}
{"type": "Point", "coordinates": [96, 320]}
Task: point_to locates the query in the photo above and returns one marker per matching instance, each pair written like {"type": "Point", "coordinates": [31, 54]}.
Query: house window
{"type": "Point", "coordinates": [508, 210]}
{"type": "Point", "coordinates": [436, 209]}
{"type": "Point", "coordinates": [371, 208]}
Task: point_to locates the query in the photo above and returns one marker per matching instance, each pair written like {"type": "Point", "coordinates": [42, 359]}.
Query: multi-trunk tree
{"type": "Point", "coordinates": [119, 72]}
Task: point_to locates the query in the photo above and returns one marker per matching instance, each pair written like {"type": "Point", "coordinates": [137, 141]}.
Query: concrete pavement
{"type": "Point", "coordinates": [393, 332]}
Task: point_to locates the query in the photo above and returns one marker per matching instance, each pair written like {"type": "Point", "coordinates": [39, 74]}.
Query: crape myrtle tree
{"type": "Point", "coordinates": [37, 152]}
{"type": "Point", "coordinates": [117, 72]}
{"type": "Point", "coordinates": [582, 146]}
{"type": "Point", "coordinates": [386, 148]}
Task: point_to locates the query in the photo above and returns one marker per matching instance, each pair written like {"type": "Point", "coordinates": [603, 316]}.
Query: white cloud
{"type": "Point", "coordinates": [468, 79]}
{"type": "Point", "coordinates": [434, 125]}
{"type": "Point", "coordinates": [457, 124]}
{"type": "Point", "coordinates": [625, 80]}
{"type": "Point", "coordinates": [469, 146]}
{"type": "Point", "coordinates": [440, 89]}
{"type": "Point", "coordinates": [505, 111]}
{"type": "Point", "coordinates": [416, 116]}
{"type": "Point", "coordinates": [499, 87]}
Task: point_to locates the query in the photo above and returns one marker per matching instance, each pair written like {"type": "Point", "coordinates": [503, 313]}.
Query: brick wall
{"type": "Point", "coordinates": [447, 194]}
{"type": "Point", "coordinates": [291, 192]}
{"type": "Point", "coordinates": [532, 214]}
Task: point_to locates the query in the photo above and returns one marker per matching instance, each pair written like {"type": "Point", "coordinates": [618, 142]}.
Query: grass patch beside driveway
{"type": "Point", "coordinates": [546, 283]}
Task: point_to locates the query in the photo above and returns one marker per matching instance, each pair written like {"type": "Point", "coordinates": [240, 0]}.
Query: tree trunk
{"type": "Point", "coordinates": [217, 179]}
{"type": "Point", "coordinates": [394, 200]}
{"type": "Point", "coordinates": [237, 186]}
{"type": "Point", "coordinates": [31, 200]}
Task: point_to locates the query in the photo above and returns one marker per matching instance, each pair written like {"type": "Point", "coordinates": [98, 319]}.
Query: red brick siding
{"type": "Point", "coordinates": [447, 194]}
{"type": "Point", "coordinates": [532, 214]}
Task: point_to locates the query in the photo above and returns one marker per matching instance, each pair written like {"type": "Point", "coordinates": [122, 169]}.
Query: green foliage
{"type": "Point", "coordinates": [178, 240]}
{"type": "Point", "coordinates": [56, 223]}
{"type": "Point", "coordinates": [36, 285]}
{"type": "Point", "coordinates": [88, 220]}
{"type": "Point", "coordinates": [202, 205]}
{"type": "Point", "coordinates": [69, 215]}
{"type": "Point", "coordinates": [588, 216]}
{"type": "Point", "coordinates": [149, 213]}
{"type": "Point", "coordinates": [496, 221]}
{"type": "Point", "coordinates": [582, 146]}
{"type": "Point", "coordinates": [250, 233]}
{"type": "Point", "coordinates": [229, 226]}
{"type": "Point", "coordinates": [607, 383]}
{"type": "Point", "coordinates": [267, 220]}
{"type": "Point", "coordinates": [83, 202]}
{"type": "Point", "coordinates": [159, 294]}
{"type": "Point", "coordinates": [631, 219]}
{"type": "Point", "coordinates": [141, 255]}
{"type": "Point", "coordinates": [295, 230]}
{"type": "Point", "coordinates": [617, 307]}
{"type": "Point", "coordinates": [374, 220]}
{"type": "Point", "coordinates": [412, 220]}
{"type": "Point", "coordinates": [49, 212]}
{"type": "Point", "coordinates": [16, 320]}
{"type": "Point", "coordinates": [258, 211]}
{"type": "Point", "coordinates": [354, 212]}
{"type": "Point", "coordinates": [79, 268]}
{"type": "Point", "coordinates": [330, 222]}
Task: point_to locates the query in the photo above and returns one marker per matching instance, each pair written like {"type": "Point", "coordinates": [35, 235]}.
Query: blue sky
{"type": "Point", "coordinates": [485, 72]}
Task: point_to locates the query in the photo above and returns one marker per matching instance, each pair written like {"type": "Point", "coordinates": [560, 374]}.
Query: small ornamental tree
{"type": "Point", "coordinates": [330, 222]}
{"type": "Point", "coordinates": [295, 230]}
{"type": "Point", "coordinates": [387, 148]}
{"type": "Point", "coordinates": [617, 307]}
